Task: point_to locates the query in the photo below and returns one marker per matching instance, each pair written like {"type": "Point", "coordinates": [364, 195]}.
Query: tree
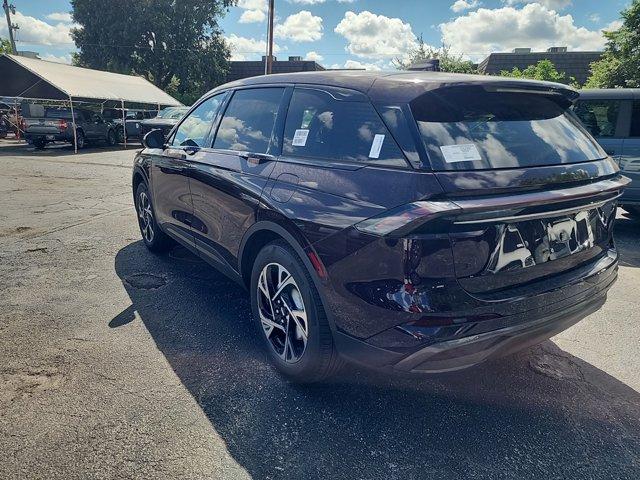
{"type": "Point", "coordinates": [620, 64]}
{"type": "Point", "coordinates": [543, 70]}
{"type": "Point", "coordinates": [177, 45]}
{"type": "Point", "coordinates": [449, 62]}
{"type": "Point", "coordinates": [5, 46]}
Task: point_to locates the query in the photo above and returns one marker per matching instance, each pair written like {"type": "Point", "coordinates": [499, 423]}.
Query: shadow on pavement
{"type": "Point", "coordinates": [627, 235]}
{"type": "Point", "coordinates": [540, 414]}
{"type": "Point", "coordinates": [12, 148]}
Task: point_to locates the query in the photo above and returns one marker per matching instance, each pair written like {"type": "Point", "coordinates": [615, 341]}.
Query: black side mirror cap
{"type": "Point", "coordinates": [154, 139]}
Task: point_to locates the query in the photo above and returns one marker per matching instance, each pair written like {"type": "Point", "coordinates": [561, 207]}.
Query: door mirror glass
{"type": "Point", "coordinates": [154, 139]}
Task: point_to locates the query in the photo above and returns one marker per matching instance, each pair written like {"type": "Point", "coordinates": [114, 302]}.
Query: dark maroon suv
{"type": "Point", "coordinates": [415, 222]}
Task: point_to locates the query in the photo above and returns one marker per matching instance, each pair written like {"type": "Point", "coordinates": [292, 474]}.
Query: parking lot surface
{"type": "Point", "coordinates": [117, 363]}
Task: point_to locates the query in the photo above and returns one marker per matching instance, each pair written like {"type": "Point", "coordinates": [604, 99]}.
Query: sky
{"type": "Point", "coordinates": [365, 33]}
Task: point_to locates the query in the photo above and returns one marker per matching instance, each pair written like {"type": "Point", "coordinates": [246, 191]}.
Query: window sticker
{"type": "Point", "coordinates": [460, 153]}
{"type": "Point", "coordinates": [376, 146]}
{"type": "Point", "coordinates": [300, 138]}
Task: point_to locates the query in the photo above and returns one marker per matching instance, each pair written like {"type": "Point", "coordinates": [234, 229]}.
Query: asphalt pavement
{"type": "Point", "coordinates": [118, 363]}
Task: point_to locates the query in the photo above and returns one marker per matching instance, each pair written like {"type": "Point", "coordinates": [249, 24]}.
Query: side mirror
{"type": "Point", "coordinates": [154, 139]}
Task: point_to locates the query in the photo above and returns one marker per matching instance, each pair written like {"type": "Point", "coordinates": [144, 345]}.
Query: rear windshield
{"type": "Point", "coordinates": [469, 128]}
{"type": "Point", "coordinates": [54, 113]}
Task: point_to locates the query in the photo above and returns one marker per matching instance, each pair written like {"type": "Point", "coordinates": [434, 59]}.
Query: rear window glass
{"type": "Point", "coordinates": [319, 125]}
{"type": "Point", "coordinates": [55, 113]}
{"type": "Point", "coordinates": [469, 128]}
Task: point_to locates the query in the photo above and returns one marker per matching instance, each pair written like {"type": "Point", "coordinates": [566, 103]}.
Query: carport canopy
{"type": "Point", "coordinates": [30, 78]}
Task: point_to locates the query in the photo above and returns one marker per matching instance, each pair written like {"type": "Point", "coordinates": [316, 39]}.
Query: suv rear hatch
{"type": "Point", "coordinates": [531, 194]}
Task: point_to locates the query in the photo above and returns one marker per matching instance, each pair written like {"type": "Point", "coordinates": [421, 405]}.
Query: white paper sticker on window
{"type": "Point", "coordinates": [300, 138]}
{"type": "Point", "coordinates": [460, 153]}
{"type": "Point", "coordinates": [376, 146]}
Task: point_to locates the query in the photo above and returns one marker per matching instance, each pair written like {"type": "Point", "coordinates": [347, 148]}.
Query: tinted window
{"type": "Point", "coordinates": [248, 122]}
{"type": "Point", "coordinates": [320, 125]}
{"type": "Point", "coordinates": [195, 128]}
{"type": "Point", "coordinates": [468, 128]}
{"type": "Point", "coordinates": [600, 117]}
{"type": "Point", "coordinates": [635, 120]}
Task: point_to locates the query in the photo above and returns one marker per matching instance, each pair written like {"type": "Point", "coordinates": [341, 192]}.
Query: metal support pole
{"type": "Point", "coordinates": [15, 106]}
{"type": "Point", "coordinates": [270, 39]}
{"type": "Point", "coordinates": [73, 122]}
{"type": "Point", "coordinates": [124, 124]}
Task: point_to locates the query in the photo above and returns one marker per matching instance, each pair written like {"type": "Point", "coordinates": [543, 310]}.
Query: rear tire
{"type": "Point", "coordinates": [300, 346]}
{"type": "Point", "coordinates": [111, 138]}
{"type": "Point", "coordinates": [39, 144]}
{"type": "Point", "coordinates": [80, 140]}
{"type": "Point", "coordinates": [154, 238]}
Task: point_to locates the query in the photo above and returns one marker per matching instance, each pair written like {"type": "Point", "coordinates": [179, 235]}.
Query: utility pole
{"type": "Point", "coordinates": [8, 10]}
{"type": "Point", "coordinates": [269, 59]}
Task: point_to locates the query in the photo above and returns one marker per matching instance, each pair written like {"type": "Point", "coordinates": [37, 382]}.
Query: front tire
{"type": "Point", "coordinates": [80, 140]}
{"type": "Point", "coordinates": [111, 138]}
{"type": "Point", "coordinates": [154, 238]}
{"type": "Point", "coordinates": [290, 317]}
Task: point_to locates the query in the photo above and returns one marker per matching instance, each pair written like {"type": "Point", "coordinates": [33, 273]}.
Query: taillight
{"type": "Point", "coordinates": [405, 218]}
{"type": "Point", "coordinates": [23, 125]}
{"type": "Point", "coordinates": [62, 124]}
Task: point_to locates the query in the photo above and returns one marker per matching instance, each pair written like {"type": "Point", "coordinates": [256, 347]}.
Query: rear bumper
{"type": "Point", "coordinates": [49, 137]}
{"type": "Point", "coordinates": [466, 347]}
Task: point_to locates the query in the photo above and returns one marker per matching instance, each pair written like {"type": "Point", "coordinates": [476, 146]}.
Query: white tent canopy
{"type": "Point", "coordinates": [39, 79]}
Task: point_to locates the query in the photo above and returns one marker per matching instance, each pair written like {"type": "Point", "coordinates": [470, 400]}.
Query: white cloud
{"type": "Point", "coordinates": [252, 16]}
{"type": "Point", "coordinates": [60, 17]}
{"type": "Point", "coordinates": [38, 32]}
{"type": "Point", "coordinates": [461, 5]}
{"type": "Point", "coordinates": [314, 56]}
{"type": "Point", "coordinates": [484, 31]}
{"type": "Point", "coordinates": [300, 27]}
{"type": "Point", "coordinates": [261, 5]}
{"type": "Point", "coordinates": [550, 4]}
{"type": "Point", "coordinates": [243, 48]}
{"type": "Point", "coordinates": [307, 2]}
{"type": "Point", "coordinates": [375, 36]}
{"type": "Point", "coordinates": [360, 65]}
{"type": "Point", "coordinates": [594, 17]}
{"type": "Point", "coordinates": [58, 59]}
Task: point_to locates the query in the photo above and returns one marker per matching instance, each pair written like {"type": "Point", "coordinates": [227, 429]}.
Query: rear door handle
{"type": "Point", "coordinates": [257, 158]}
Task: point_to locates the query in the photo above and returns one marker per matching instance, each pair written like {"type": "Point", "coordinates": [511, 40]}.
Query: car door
{"type": "Point", "coordinates": [170, 170]}
{"type": "Point", "coordinates": [227, 180]}
{"type": "Point", "coordinates": [630, 162]}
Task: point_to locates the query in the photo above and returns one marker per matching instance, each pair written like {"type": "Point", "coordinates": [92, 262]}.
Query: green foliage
{"type": "Point", "coordinates": [620, 64]}
{"type": "Point", "coordinates": [177, 45]}
{"type": "Point", "coordinates": [543, 70]}
{"type": "Point", "coordinates": [5, 46]}
{"type": "Point", "coordinates": [449, 62]}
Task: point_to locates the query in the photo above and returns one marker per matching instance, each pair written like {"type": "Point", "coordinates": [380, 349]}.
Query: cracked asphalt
{"type": "Point", "coordinates": [116, 363]}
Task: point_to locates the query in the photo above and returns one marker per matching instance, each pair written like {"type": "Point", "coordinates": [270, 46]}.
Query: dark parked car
{"type": "Point", "coordinates": [165, 121]}
{"type": "Point", "coordinates": [133, 119]}
{"type": "Point", "coordinates": [612, 116]}
{"type": "Point", "coordinates": [414, 222]}
{"type": "Point", "coordinates": [56, 125]}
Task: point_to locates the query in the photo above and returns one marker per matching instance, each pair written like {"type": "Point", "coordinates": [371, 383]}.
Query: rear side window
{"type": "Point", "coordinates": [194, 130]}
{"type": "Point", "coordinates": [599, 117]}
{"type": "Point", "coordinates": [248, 122]}
{"type": "Point", "coordinates": [319, 125]}
{"type": "Point", "coordinates": [635, 120]}
{"type": "Point", "coordinates": [470, 128]}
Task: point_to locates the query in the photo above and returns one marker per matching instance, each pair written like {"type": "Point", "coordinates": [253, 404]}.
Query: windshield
{"type": "Point", "coordinates": [469, 128]}
{"type": "Point", "coordinates": [172, 113]}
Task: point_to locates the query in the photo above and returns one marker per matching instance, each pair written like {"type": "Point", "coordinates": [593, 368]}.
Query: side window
{"type": "Point", "coordinates": [635, 120]}
{"type": "Point", "coordinates": [600, 117]}
{"type": "Point", "coordinates": [321, 126]}
{"type": "Point", "coordinates": [248, 122]}
{"type": "Point", "coordinates": [194, 129]}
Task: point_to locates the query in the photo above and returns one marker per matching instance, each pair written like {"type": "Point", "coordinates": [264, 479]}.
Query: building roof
{"type": "Point", "coordinates": [611, 94]}
{"type": "Point", "coordinates": [251, 68]}
{"type": "Point", "coordinates": [573, 64]}
{"type": "Point", "coordinates": [400, 86]}
{"type": "Point", "coordinates": [32, 78]}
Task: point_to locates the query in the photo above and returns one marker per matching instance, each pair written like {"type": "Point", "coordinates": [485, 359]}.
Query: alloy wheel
{"type": "Point", "coordinates": [282, 312]}
{"type": "Point", "coordinates": [145, 217]}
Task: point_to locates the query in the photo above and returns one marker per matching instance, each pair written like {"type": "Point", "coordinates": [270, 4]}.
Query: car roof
{"type": "Point", "coordinates": [611, 94]}
{"type": "Point", "coordinates": [399, 86]}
